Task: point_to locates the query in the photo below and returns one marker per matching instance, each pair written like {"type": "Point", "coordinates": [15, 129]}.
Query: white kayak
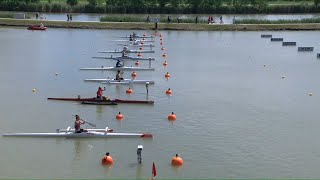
{"type": "Point", "coordinates": [138, 45]}
{"type": "Point", "coordinates": [137, 36]}
{"type": "Point", "coordinates": [123, 58]}
{"type": "Point", "coordinates": [134, 41]}
{"type": "Point", "coordinates": [128, 51]}
{"type": "Point", "coordinates": [124, 68]}
{"type": "Point", "coordinates": [91, 133]}
{"type": "Point", "coordinates": [124, 81]}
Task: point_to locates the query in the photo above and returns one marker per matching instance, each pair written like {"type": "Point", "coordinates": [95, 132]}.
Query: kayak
{"type": "Point", "coordinates": [138, 45]}
{"type": "Point", "coordinates": [134, 41]}
{"type": "Point", "coordinates": [128, 51]}
{"type": "Point", "coordinates": [92, 133]}
{"type": "Point", "coordinates": [78, 99]}
{"type": "Point", "coordinates": [124, 81]}
{"type": "Point", "coordinates": [37, 28]}
{"type": "Point", "coordinates": [98, 103]}
{"type": "Point", "coordinates": [122, 58]}
{"type": "Point", "coordinates": [124, 68]}
{"type": "Point", "coordinates": [136, 36]}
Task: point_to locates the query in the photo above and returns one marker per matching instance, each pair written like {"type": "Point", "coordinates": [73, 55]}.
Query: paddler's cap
{"type": "Point", "coordinates": [107, 154]}
{"type": "Point", "coordinates": [77, 116]}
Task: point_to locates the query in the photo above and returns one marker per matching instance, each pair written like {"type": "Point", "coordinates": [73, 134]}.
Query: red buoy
{"type": "Point", "coordinates": [172, 117]}
{"type": "Point", "coordinates": [119, 116]}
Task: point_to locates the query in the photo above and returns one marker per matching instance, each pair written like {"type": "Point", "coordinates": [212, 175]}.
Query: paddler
{"type": "Point", "coordinates": [119, 64]}
{"type": "Point", "coordinates": [77, 124]}
{"type": "Point", "coordinates": [41, 25]}
{"type": "Point", "coordinates": [125, 48]}
{"type": "Point", "coordinates": [119, 75]}
{"type": "Point", "coordinates": [130, 38]}
{"type": "Point", "coordinates": [100, 92]}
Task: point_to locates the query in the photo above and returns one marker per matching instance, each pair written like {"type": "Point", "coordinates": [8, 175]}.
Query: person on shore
{"type": "Point", "coordinates": [100, 92]}
{"type": "Point", "coordinates": [221, 21]}
{"type": "Point", "coordinates": [234, 20]}
{"type": "Point", "coordinates": [169, 19]}
{"type": "Point", "coordinates": [119, 75]}
{"type": "Point", "coordinates": [148, 19]}
{"type": "Point", "coordinates": [77, 124]}
{"type": "Point", "coordinates": [37, 15]}
{"type": "Point", "coordinates": [68, 17]}
{"type": "Point", "coordinates": [178, 19]}
{"type": "Point", "coordinates": [197, 20]}
{"type": "Point", "coordinates": [210, 20]}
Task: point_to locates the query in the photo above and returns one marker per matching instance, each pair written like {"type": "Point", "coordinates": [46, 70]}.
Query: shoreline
{"type": "Point", "coordinates": [161, 26]}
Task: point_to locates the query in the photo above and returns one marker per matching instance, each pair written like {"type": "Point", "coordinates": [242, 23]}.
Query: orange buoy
{"type": "Point", "coordinates": [161, 43]}
{"type": "Point", "coordinates": [134, 74]}
{"type": "Point", "coordinates": [119, 116]}
{"type": "Point", "coordinates": [139, 54]}
{"type": "Point", "coordinates": [169, 92]}
{"type": "Point", "coordinates": [164, 55]}
{"type": "Point", "coordinates": [140, 48]}
{"type": "Point", "coordinates": [144, 34]}
{"type": "Point", "coordinates": [167, 75]}
{"type": "Point", "coordinates": [160, 35]}
{"type": "Point", "coordinates": [129, 91]}
{"type": "Point", "coordinates": [107, 159]}
{"type": "Point", "coordinates": [163, 49]}
{"type": "Point", "coordinates": [177, 161]}
{"type": "Point", "coordinates": [172, 116]}
{"type": "Point", "coordinates": [165, 63]}
{"type": "Point", "coordinates": [143, 39]}
{"type": "Point", "coordinates": [160, 39]}
{"type": "Point", "coordinates": [137, 63]}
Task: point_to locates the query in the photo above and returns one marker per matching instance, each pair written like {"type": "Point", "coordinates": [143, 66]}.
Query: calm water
{"type": "Point", "coordinates": [236, 117]}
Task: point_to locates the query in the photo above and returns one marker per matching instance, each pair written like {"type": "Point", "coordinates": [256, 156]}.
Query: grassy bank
{"type": "Point", "coordinates": [161, 26]}
{"type": "Point", "coordinates": [280, 21]}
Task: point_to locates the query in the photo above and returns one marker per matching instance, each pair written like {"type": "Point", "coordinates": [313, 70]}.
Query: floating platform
{"type": "Point", "coordinates": [276, 39]}
{"type": "Point", "coordinates": [289, 43]}
{"type": "Point", "coordinates": [305, 48]}
{"type": "Point", "coordinates": [266, 36]}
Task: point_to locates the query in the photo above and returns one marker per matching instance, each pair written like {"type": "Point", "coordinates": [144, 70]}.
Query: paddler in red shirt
{"type": "Point", "coordinates": [100, 92]}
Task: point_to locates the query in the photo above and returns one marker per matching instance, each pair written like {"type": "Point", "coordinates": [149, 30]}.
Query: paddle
{"type": "Point", "coordinates": [93, 125]}
{"type": "Point", "coordinates": [147, 87]}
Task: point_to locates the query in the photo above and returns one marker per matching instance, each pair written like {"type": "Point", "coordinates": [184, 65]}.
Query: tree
{"type": "Point", "coordinates": [316, 2]}
{"type": "Point", "coordinates": [216, 3]}
{"type": "Point", "coordinates": [94, 2]}
{"type": "Point", "coordinates": [31, 1]}
{"type": "Point", "coordinates": [163, 3]}
{"type": "Point", "coordinates": [72, 2]}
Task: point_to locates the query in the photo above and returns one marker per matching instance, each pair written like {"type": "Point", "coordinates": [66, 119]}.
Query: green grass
{"type": "Point", "coordinates": [131, 18]}
{"type": "Point", "coordinates": [280, 21]}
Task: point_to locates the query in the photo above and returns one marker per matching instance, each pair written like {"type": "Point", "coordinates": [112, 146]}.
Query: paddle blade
{"type": "Point", "coordinates": [154, 171]}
